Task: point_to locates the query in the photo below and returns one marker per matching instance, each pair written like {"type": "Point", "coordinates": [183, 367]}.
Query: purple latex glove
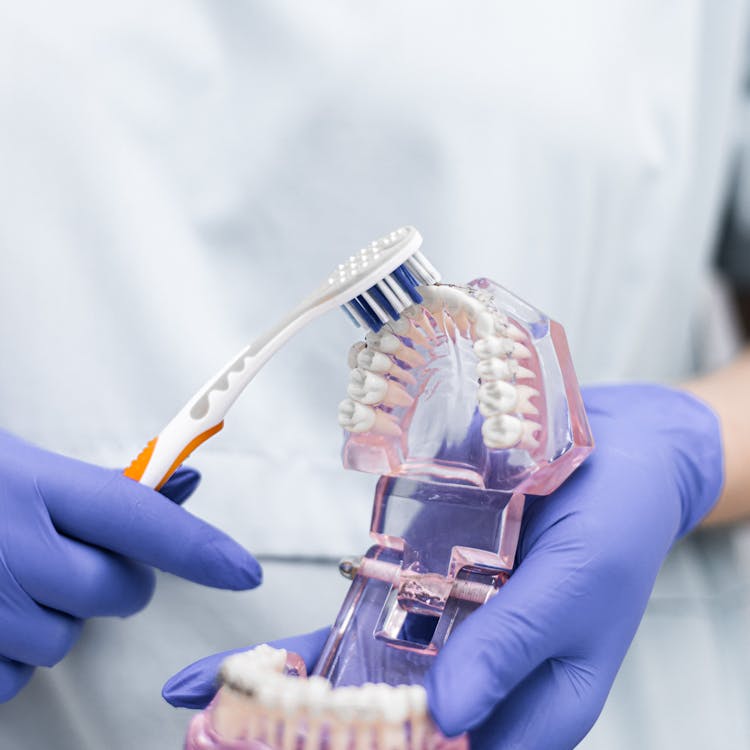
{"type": "Point", "coordinates": [75, 542]}
{"type": "Point", "coordinates": [195, 685]}
{"type": "Point", "coordinates": [536, 663]}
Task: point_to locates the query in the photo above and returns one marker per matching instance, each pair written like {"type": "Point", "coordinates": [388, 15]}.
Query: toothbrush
{"type": "Point", "coordinates": [372, 288]}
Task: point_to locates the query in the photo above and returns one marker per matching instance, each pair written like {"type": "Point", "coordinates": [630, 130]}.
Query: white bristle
{"type": "Point", "coordinates": [376, 308]}
{"type": "Point", "coordinates": [390, 296]}
{"type": "Point", "coordinates": [422, 260]}
{"type": "Point", "coordinates": [419, 273]}
{"type": "Point", "coordinates": [397, 289]}
{"type": "Point", "coordinates": [356, 315]}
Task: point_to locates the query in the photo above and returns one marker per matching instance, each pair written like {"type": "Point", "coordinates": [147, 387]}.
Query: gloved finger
{"type": "Point", "coordinates": [81, 580]}
{"type": "Point", "coordinates": [181, 484]}
{"type": "Point", "coordinates": [501, 643]}
{"type": "Point", "coordinates": [195, 685]}
{"type": "Point", "coordinates": [553, 709]}
{"type": "Point", "coordinates": [13, 676]}
{"type": "Point", "coordinates": [33, 634]}
{"type": "Point", "coordinates": [105, 508]}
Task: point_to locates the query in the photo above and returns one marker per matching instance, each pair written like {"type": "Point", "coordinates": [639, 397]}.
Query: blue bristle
{"type": "Point", "coordinates": [382, 300]}
{"type": "Point", "coordinates": [367, 314]}
{"type": "Point", "coordinates": [407, 282]}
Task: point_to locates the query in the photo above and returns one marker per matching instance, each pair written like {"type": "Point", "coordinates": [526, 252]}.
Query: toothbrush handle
{"type": "Point", "coordinates": [164, 454]}
{"type": "Point", "coordinates": [203, 415]}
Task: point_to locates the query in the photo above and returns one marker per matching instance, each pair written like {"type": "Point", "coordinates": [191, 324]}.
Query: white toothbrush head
{"type": "Point", "coordinates": [374, 286]}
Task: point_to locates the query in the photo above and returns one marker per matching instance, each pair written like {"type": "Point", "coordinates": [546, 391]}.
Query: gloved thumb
{"type": "Point", "coordinates": [181, 485]}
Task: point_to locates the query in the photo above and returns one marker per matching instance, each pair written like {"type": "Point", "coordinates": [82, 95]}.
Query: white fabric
{"type": "Point", "coordinates": [175, 175]}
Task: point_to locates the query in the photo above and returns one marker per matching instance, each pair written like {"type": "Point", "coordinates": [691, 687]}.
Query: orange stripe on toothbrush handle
{"type": "Point", "coordinates": [137, 469]}
{"type": "Point", "coordinates": [140, 462]}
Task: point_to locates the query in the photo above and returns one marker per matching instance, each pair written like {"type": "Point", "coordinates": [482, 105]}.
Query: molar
{"type": "Point", "coordinates": [370, 388]}
{"type": "Point", "coordinates": [356, 417]}
{"type": "Point", "coordinates": [389, 343]}
{"type": "Point", "coordinates": [496, 346]}
{"type": "Point", "coordinates": [352, 356]}
{"type": "Point", "coordinates": [369, 359]}
{"type": "Point", "coordinates": [497, 397]}
{"type": "Point", "coordinates": [495, 368]}
{"type": "Point", "coordinates": [367, 387]}
{"type": "Point", "coordinates": [502, 431]}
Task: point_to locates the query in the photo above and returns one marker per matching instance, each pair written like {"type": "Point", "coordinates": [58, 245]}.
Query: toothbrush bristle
{"type": "Point", "coordinates": [386, 300]}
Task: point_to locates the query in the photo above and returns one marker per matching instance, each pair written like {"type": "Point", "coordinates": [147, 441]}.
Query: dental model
{"type": "Point", "coordinates": [463, 404]}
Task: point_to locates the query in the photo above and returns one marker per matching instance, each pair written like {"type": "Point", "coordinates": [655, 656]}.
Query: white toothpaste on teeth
{"type": "Point", "coordinates": [502, 431]}
{"type": "Point", "coordinates": [367, 387]}
{"type": "Point", "coordinates": [497, 397]}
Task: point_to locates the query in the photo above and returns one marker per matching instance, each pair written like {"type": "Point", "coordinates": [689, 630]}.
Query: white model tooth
{"type": "Point", "coordinates": [502, 431]}
{"type": "Point", "coordinates": [525, 394]}
{"type": "Point", "coordinates": [269, 700]}
{"type": "Point", "coordinates": [384, 341]}
{"type": "Point", "coordinates": [373, 361]}
{"type": "Point", "coordinates": [496, 369]}
{"type": "Point", "coordinates": [404, 327]}
{"type": "Point", "coordinates": [272, 658]}
{"type": "Point", "coordinates": [484, 325]}
{"type": "Point", "coordinates": [356, 417]}
{"type": "Point", "coordinates": [418, 316]}
{"type": "Point", "coordinates": [354, 352]}
{"type": "Point", "coordinates": [318, 702]}
{"type": "Point", "coordinates": [502, 369]}
{"type": "Point", "coordinates": [366, 716]}
{"type": "Point", "coordinates": [503, 327]}
{"type": "Point", "coordinates": [371, 389]}
{"type": "Point", "coordinates": [231, 712]}
{"type": "Point", "coordinates": [520, 352]}
{"type": "Point", "coordinates": [473, 308]}
{"type": "Point", "coordinates": [344, 709]}
{"type": "Point", "coordinates": [401, 326]}
{"type": "Point", "coordinates": [367, 387]}
{"type": "Point", "coordinates": [417, 697]}
{"type": "Point", "coordinates": [369, 359]}
{"type": "Point", "coordinates": [498, 346]}
{"type": "Point", "coordinates": [453, 299]}
{"type": "Point", "coordinates": [293, 698]}
{"type": "Point", "coordinates": [389, 343]}
{"type": "Point", "coordinates": [394, 709]}
{"type": "Point", "coordinates": [497, 397]}
{"type": "Point", "coordinates": [493, 346]}
{"type": "Point", "coordinates": [431, 298]}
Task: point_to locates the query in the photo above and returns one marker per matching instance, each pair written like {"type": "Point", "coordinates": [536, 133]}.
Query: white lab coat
{"type": "Point", "coordinates": [173, 176]}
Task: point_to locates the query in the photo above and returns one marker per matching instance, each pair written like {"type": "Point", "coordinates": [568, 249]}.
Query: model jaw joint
{"type": "Point", "coordinates": [464, 405]}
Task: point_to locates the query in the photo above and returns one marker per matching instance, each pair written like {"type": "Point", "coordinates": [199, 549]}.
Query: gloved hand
{"type": "Point", "coordinates": [75, 542]}
{"type": "Point", "coordinates": [537, 661]}
{"type": "Point", "coordinates": [195, 685]}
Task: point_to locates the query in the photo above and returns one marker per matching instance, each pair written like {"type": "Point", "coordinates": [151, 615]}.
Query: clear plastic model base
{"type": "Point", "coordinates": [464, 405]}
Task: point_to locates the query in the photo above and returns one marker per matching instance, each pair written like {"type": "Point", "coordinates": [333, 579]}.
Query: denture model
{"type": "Point", "coordinates": [464, 405]}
